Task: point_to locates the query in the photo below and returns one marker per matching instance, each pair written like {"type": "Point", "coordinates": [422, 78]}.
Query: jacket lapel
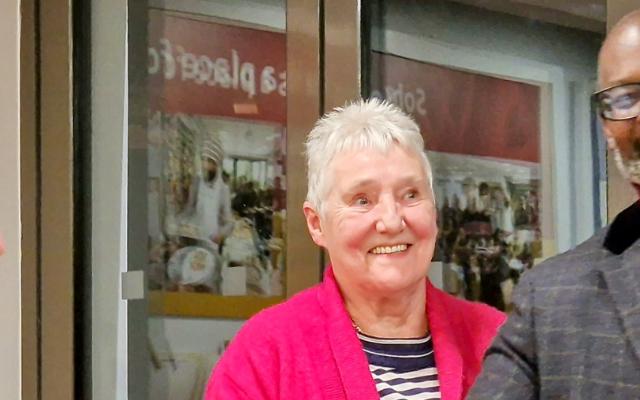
{"type": "Point", "coordinates": [346, 348]}
{"type": "Point", "coordinates": [352, 363]}
{"type": "Point", "coordinates": [622, 275]}
{"type": "Point", "coordinates": [447, 352]}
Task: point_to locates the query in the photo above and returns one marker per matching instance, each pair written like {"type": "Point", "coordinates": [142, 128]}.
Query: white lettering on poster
{"type": "Point", "coordinates": [173, 62]}
{"type": "Point", "coordinates": [409, 101]}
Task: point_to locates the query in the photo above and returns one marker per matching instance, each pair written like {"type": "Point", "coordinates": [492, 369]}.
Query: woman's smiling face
{"type": "Point", "coordinates": [379, 219]}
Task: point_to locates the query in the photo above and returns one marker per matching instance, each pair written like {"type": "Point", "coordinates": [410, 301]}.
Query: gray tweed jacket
{"type": "Point", "coordinates": [575, 331]}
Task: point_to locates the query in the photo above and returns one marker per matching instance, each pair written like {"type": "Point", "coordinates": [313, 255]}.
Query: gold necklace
{"type": "Point", "coordinates": [359, 330]}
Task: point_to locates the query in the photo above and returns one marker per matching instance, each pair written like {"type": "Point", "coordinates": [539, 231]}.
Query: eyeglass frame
{"type": "Point", "coordinates": [596, 101]}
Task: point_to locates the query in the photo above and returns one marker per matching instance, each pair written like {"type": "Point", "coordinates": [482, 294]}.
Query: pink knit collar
{"type": "Point", "coordinates": [353, 365]}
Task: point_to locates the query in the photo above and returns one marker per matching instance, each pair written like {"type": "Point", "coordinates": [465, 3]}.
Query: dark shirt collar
{"type": "Point", "coordinates": [624, 230]}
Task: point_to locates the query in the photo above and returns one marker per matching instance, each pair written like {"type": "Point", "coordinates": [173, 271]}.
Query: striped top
{"type": "Point", "coordinates": [402, 368]}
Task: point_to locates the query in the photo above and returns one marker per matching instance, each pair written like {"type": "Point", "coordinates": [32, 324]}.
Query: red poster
{"type": "Point", "coordinates": [462, 112]}
{"type": "Point", "coordinates": [206, 68]}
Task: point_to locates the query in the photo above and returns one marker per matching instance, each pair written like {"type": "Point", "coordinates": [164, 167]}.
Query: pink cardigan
{"type": "Point", "coordinates": [306, 348]}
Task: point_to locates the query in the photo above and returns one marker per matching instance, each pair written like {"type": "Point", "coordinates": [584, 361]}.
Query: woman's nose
{"type": "Point", "coordinates": [390, 219]}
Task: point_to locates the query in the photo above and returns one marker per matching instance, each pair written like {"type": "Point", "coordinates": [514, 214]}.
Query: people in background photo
{"type": "Point", "coordinates": [209, 196]}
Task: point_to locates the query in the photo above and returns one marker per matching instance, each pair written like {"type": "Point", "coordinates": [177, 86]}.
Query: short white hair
{"type": "Point", "coordinates": [362, 124]}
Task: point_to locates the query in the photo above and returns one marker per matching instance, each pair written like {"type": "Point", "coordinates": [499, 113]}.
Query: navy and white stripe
{"type": "Point", "coordinates": [402, 368]}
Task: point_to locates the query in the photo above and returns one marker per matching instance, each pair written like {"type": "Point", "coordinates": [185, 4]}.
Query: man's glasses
{"type": "Point", "coordinates": [618, 103]}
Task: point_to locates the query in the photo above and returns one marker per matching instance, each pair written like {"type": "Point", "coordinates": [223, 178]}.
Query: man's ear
{"type": "Point", "coordinates": [313, 223]}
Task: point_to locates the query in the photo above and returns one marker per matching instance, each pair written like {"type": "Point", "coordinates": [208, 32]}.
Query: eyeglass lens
{"type": "Point", "coordinates": [621, 102]}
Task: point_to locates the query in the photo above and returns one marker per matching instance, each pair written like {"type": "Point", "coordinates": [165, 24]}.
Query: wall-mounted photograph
{"type": "Point", "coordinates": [216, 166]}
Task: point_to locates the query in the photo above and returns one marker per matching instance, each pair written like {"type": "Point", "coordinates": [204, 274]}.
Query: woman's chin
{"type": "Point", "coordinates": [396, 281]}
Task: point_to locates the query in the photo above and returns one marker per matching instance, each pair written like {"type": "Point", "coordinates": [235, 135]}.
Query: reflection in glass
{"type": "Point", "coordinates": [216, 157]}
{"type": "Point", "coordinates": [216, 184]}
{"type": "Point", "coordinates": [212, 205]}
{"type": "Point", "coordinates": [499, 91]}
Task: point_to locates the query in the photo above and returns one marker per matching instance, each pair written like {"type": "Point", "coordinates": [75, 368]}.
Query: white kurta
{"type": "Point", "coordinates": [213, 208]}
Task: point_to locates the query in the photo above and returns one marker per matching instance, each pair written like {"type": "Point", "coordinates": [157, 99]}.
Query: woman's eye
{"type": "Point", "coordinates": [411, 195]}
{"type": "Point", "coordinates": [362, 201]}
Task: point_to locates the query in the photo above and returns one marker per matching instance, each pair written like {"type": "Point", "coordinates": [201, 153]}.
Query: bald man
{"type": "Point", "coordinates": [575, 330]}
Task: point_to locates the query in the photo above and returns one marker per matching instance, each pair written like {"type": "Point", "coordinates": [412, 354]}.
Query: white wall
{"type": "Point", "coordinates": [10, 200]}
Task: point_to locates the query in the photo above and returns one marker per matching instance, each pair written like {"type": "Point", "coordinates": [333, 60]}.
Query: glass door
{"type": "Point", "coordinates": [200, 181]}
{"type": "Point", "coordinates": [215, 182]}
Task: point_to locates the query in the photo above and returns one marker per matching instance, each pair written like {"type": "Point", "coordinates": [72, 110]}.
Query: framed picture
{"type": "Point", "coordinates": [483, 138]}
{"type": "Point", "coordinates": [216, 167]}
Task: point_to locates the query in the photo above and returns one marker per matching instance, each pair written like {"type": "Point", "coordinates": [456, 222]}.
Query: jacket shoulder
{"type": "Point", "coordinates": [472, 326]}
{"type": "Point", "coordinates": [473, 322]}
{"type": "Point", "coordinates": [279, 318]}
{"type": "Point", "coordinates": [267, 339]}
{"type": "Point", "coordinates": [573, 267]}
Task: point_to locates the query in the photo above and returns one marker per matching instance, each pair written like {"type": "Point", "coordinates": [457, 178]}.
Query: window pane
{"type": "Point", "coordinates": [501, 93]}
{"type": "Point", "coordinates": [217, 117]}
{"type": "Point", "coordinates": [215, 184]}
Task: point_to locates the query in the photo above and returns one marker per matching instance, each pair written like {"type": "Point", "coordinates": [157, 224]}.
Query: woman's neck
{"type": "Point", "coordinates": [398, 316]}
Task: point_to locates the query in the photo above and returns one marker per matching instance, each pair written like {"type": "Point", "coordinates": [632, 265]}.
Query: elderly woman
{"type": "Point", "coordinates": [375, 327]}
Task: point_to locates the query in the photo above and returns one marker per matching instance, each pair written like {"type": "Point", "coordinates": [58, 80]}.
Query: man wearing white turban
{"type": "Point", "coordinates": [211, 195]}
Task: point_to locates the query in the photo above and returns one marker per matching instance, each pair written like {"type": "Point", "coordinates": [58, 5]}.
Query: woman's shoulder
{"type": "Point", "coordinates": [271, 336]}
{"type": "Point", "coordinates": [269, 349]}
{"type": "Point", "coordinates": [278, 319]}
{"type": "Point", "coordinates": [474, 325]}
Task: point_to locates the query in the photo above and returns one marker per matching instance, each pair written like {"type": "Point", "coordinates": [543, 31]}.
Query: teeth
{"type": "Point", "coordinates": [389, 249]}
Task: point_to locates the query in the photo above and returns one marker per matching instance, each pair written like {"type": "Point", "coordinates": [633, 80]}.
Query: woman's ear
{"type": "Point", "coordinates": [313, 223]}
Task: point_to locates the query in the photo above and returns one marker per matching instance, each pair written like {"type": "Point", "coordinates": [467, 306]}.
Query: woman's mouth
{"type": "Point", "coordinates": [398, 248]}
